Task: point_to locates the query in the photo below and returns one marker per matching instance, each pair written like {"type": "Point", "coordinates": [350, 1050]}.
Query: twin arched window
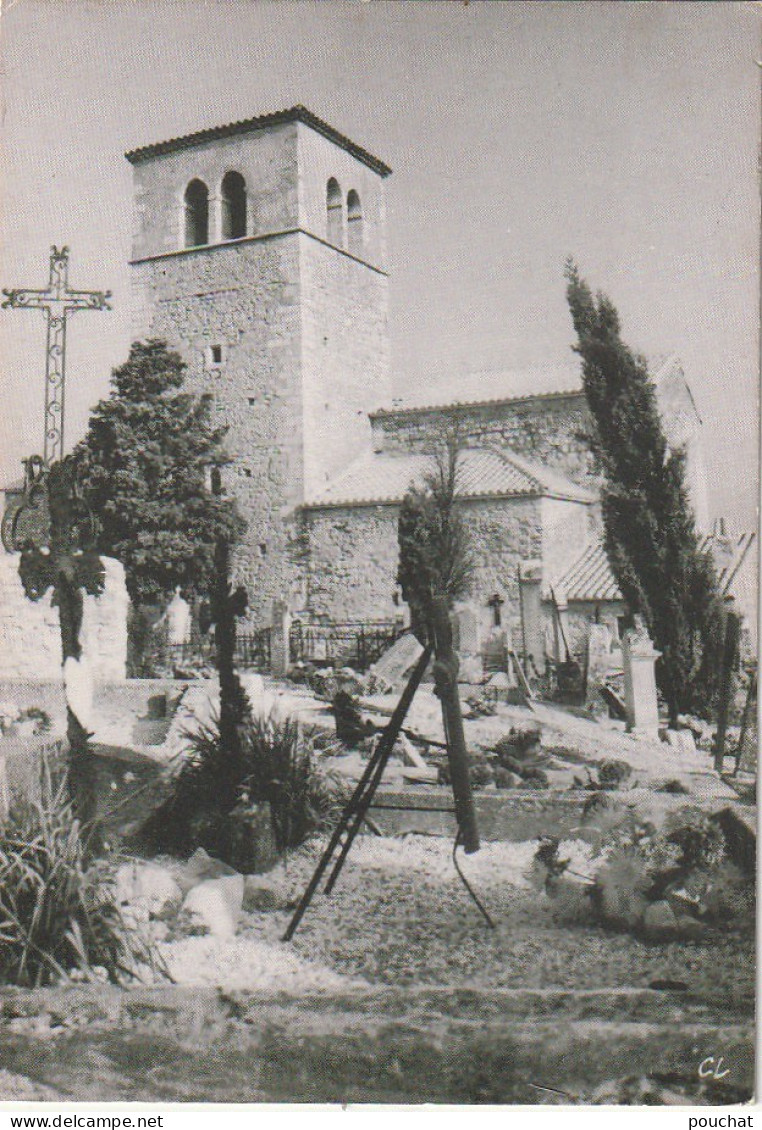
{"type": "Point", "coordinates": [232, 210]}
{"type": "Point", "coordinates": [335, 218]}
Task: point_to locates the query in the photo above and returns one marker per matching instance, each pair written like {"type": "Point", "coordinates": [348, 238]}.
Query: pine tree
{"type": "Point", "coordinates": [650, 532]}
{"type": "Point", "coordinates": [145, 464]}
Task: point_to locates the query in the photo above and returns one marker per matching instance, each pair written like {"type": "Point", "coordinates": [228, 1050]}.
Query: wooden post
{"type": "Point", "coordinates": [729, 661]}
{"type": "Point", "coordinates": [748, 706]}
{"type": "Point", "coordinates": [446, 688]}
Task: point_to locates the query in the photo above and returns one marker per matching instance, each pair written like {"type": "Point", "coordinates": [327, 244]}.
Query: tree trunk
{"type": "Point", "coordinates": [231, 693]}
{"type": "Point", "coordinates": [81, 772]}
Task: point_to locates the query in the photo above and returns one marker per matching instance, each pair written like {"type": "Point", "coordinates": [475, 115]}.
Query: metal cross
{"type": "Point", "coordinates": [56, 302]}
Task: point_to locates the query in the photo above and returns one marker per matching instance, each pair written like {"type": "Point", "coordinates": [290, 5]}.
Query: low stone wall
{"type": "Point", "coordinates": [30, 640]}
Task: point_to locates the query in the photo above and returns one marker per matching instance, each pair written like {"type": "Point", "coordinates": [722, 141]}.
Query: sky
{"type": "Point", "coordinates": [624, 134]}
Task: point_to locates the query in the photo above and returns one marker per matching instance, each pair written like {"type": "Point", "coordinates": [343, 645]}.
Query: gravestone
{"type": "Point", "coordinates": [530, 595]}
{"type": "Point", "coordinates": [392, 669]}
{"type": "Point", "coordinates": [598, 653]}
{"type": "Point", "coordinates": [639, 658]}
{"type": "Point", "coordinates": [280, 628]}
{"type": "Point", "coordinates": [178, 620]}
{"type": "Point", "coordinates": [469, 644]}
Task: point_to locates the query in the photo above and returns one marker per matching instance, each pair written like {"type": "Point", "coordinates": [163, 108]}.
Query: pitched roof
{"type": "Point", "coordinates": [729, 556]}
{"type": "Point", "coordinates": [294, 114]}
{"type": "Point", "coordinates": [540, 382]}
{"type": "Point", "coordinates": [590, 577]}
{"type": "Point", "coordinates": [384, 477]}
{"type": "Point", "coordinates": [443, 405]}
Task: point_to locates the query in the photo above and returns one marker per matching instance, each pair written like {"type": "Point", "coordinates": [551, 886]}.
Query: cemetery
{"type": "Point", "coordinates": [615, 869]}
{"type": "Point", "coordinates": [347, 767]}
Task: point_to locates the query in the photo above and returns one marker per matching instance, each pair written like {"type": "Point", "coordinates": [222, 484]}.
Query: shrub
{"type": "Point", "coordinates": [282, 771]}
{"type": "Point", "coordinates": [684, 866]}
{"type": "Point", "coordinates": [613, 773]}
{"type": "Point", "coordinates": [519, 744]}
{"type": "Point", "coordinates": [56, 915]}
{"type": "Point", "coordinates": [274, 763]}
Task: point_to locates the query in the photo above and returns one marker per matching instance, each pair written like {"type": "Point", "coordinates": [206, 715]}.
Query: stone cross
{"type": "Point", "coordinates": [56, 303]}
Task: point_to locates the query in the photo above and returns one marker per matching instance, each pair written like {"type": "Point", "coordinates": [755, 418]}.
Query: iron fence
{"type": "Point", "coordinates": [252, 650]}
{"type": "Point", "coordinates": [352, 644]}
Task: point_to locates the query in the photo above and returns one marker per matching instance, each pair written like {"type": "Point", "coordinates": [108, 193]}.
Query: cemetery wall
{"type": "Point", "coordinates": [30, 640]}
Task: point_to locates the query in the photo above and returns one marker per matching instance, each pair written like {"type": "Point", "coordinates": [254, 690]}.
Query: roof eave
{"type": "Point", "coordinates": [453, 405]}
{"type": "Point", "coordinates": [335, 504]}
{"type": "Point", "coordinates": [297, 113]}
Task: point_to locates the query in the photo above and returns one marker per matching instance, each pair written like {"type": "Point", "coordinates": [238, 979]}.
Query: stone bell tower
{"type": "Point", "coordinates": [259, 255]}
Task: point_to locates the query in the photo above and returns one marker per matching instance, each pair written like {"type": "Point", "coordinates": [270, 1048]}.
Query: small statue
{"type": "Point", "coordinates": [177, 617]}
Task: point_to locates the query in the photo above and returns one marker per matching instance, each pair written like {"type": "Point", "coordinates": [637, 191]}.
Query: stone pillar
{"type": "Point", "coordinates": [215, 219]}
{"type": "Point", "coordinates": [530, 597]}
{"type": "Point", "coordinates": [638, 659]}
{"type": "Point", "coordinates": [560, 626]}
{"type": "Point", "coordinates": [279, 633]}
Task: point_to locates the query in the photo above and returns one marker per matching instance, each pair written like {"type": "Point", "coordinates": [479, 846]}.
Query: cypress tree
{"type": "Point", "coordinates": [650, 532]}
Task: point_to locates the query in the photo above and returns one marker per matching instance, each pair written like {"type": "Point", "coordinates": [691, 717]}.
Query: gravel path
{"type": "Point", "coordinates": [399, 915]}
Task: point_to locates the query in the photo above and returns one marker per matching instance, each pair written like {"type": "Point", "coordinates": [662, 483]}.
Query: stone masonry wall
{"type": "Point", "coordinates": [567, 528]}
{"type": "Point", "coordinates": [580, 615]}
{"type": "Point", "coordinates": [30, 638]}
{"type": "Point", "coordinates": [267, 159]}
{"type": "Point", "coordinates": [245, 298]}
{"type": "Point", "coordinates": [345, 357]}
{"type": "Point", "coordinates": [547, 430]}
{"type": "Point", "coordinates": [319, 160]}
{"type": "Point", "coordinates": [354, 554]}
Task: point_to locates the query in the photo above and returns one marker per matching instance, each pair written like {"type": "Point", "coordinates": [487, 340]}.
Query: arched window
{"type": "Point", "coordinates": [196, 214]}
{"type": "Point", "coordinates": [335, 224]}
{"type": "Point", "coordinates": [354, 223]}
{"type": "Point", "coordinates": [233, 206]}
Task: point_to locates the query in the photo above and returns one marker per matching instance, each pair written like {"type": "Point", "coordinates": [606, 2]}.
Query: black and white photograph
{"type": "Point", "coordinates": [379, 476]}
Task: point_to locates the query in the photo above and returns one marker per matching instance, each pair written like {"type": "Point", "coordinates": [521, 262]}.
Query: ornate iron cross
{"type": "Point", "coordinates": [56, 302]}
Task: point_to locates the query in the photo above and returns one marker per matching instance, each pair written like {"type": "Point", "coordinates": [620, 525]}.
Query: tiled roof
{"type": "Point", "coordinates": [540, 382]}
{"type": "Point", "coordinates": [729, 557]}
{"type": "Point", "coordinates": [385, 477]}
{"type": "Point", "coordinates": [443, 405]}
{"type": "Point", "coordinates": [294, 114]}
{"type": "Point", "coordinates": [590, 577]}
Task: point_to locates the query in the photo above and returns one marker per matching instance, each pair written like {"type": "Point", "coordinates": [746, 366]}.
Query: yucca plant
{"type": "Point", "coordinates": [282, 771]}
{"type": "Point", "coordinates": [56, 915]}
{"type": "Point", "coordinates": [274, 762]}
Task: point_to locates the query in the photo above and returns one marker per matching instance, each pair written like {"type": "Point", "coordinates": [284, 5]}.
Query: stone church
{"type": "Point", "coordinates": [259, 253]}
